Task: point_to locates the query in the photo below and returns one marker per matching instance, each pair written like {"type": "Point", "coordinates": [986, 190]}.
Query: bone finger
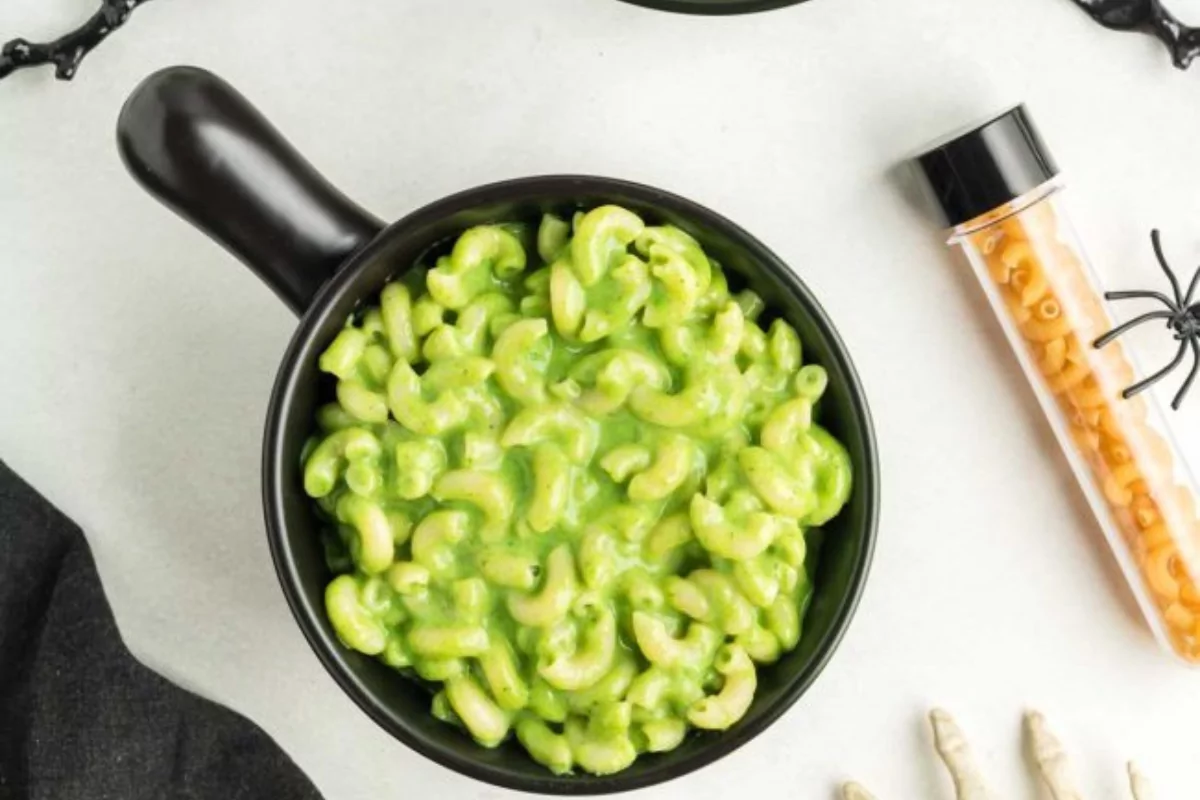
{"type": "Point", "coordinates": [1051, 759]}
{"type": "Point", "coordinates": [1139, 784]}
{"type": "Point", "coordinates": [855, 791]}
{"type": "Point", "coordinates": [956, 755]}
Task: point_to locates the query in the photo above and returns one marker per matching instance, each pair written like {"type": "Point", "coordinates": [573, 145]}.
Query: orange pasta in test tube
{"type": "Point", "coordinates": [998, 187]}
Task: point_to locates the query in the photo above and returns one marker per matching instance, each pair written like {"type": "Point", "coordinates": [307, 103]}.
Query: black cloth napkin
{"type": "Point", "coordinates": [79, 717]}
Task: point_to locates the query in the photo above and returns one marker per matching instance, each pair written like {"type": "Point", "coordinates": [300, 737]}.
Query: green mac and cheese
{"type": "Point", "coordinates": [567, 480]}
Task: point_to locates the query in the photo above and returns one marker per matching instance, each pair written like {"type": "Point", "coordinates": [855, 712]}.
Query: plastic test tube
{"type": "Point", "coordinates": [999, 189]}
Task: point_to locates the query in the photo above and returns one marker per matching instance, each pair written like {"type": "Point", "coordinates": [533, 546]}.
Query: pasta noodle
{"type": "Point", "coordinates": [1043, 282]}
{"type": "Point", "coordinates": [571, 487]}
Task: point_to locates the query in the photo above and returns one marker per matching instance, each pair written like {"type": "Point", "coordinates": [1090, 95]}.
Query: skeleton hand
{"type": "Point", "coordinates": [1048, 753]}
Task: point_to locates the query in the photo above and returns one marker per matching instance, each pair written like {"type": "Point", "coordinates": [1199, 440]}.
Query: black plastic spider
{"type": "Point", "coordinates": [1181, 316]}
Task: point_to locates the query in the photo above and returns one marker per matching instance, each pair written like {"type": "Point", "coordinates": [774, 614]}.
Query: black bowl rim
{"type": "Point", "coordinates": [275, 472]}
{"type": "Point", "coordinates": [715, 9]}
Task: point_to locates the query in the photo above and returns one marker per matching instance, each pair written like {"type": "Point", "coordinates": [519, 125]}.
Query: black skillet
{"type": "Point", "coordinates": [714, 7]}
{"type": "Point", "coordinates": [197, 145]}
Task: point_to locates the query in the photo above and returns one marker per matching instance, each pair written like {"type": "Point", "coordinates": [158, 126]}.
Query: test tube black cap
{"type": "Point", "coordinates": [986, 166]}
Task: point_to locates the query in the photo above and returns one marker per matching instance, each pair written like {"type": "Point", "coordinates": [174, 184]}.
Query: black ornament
{"type": "Point", "coordinates": [1181, 316]}
{"type": "Point", "coordinates": [1147, 16]}
{"type": "Point", "coordinates": [66, 52]}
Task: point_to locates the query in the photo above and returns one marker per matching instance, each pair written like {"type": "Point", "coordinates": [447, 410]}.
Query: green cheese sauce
{"type": "Point", "coordinates": [571, 483]}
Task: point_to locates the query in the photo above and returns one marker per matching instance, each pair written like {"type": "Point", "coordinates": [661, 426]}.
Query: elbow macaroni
{"type": "Point", "coordinates": [575, 497]}
{"type": "Point", "coordinates": [584, 668]}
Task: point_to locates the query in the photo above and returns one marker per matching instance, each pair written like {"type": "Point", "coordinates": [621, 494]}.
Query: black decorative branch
{"type": "Point", "coordinates": [66, 52]}
{"type": "Point", "coordinates": [1147, 16]}
{"type": "Point", "coordinates": [1181, 316]}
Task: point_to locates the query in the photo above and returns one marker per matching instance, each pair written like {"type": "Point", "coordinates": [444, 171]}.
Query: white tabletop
{"type": "Point", "coordinates": [137, 357]}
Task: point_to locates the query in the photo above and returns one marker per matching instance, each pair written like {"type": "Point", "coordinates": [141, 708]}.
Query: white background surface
{"type": "Point", "coordinates": [136, 357]}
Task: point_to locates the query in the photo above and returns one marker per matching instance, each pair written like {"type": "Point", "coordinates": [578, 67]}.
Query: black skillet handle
{"type": "Point", "coordinates": [195, 143]}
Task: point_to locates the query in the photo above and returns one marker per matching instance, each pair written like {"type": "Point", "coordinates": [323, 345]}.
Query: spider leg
{"type": "Point", "coordinates": [1133, 323]}
{"type": "Point", "coordinates": [1156, 240]}
{"type": "Point", "coordinates": [1187, 300]}
{"type": "Point", "coordinates": [1142, 386]}
{"type": "Point", "coordinates": [1183, 390]}
{"type": "Point", "coordinates": [1159, 296]}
